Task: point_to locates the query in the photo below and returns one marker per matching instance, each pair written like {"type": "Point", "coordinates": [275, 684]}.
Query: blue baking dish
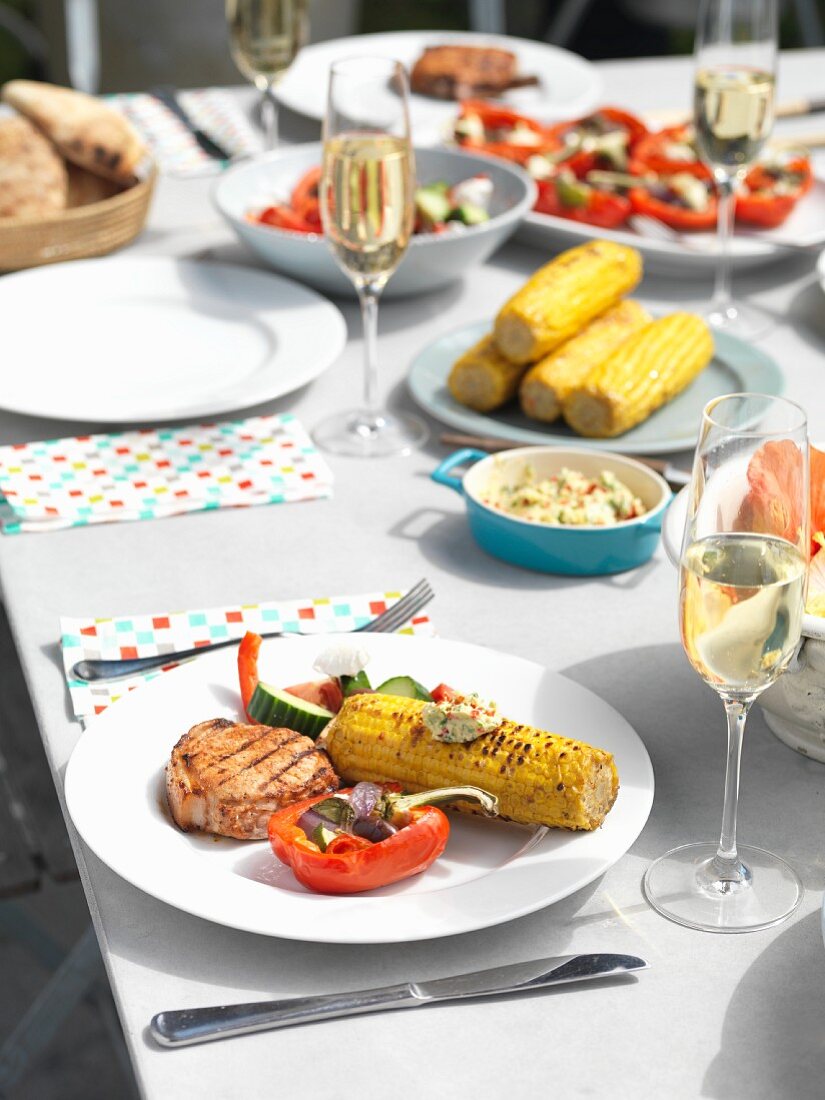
{"type": "Point", "coordinates": [573, 551]}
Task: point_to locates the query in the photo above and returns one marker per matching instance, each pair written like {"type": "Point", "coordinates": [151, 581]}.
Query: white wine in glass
{"type": "Point", "coordinates": [733, 109]}
{"type": "Point", "coordinates": [264, 39]}
{"type": "Point", "coordinates": [741, 599]}
{"type": "Point", "coordinates": [367, 208]}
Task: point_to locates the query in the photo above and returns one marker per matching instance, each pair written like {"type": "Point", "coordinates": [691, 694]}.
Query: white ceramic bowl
{"type": "Point", "coordinates": [432, 260]}
{"type": "Point", "coordinates": [794, 707]}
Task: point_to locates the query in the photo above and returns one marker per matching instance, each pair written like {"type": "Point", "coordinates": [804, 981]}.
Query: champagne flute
{"type": "Point", "coordinates": [264, 38]}
{"type": "Point", "coordinates": [367, 209]}
{"type": "Point", "coordinates": [735, 55]}
{"type": "Point", "coordinates": [742, 596]}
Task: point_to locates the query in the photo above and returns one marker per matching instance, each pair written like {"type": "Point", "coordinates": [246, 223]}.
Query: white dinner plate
{"type": "Point", "coordinates": [805, 228]}
{"type": "Point", "coordinates": [735, 367]}
{"type": "Point", "coordinates": [568, 85]}
{"type": "Point", "coordinates": [138, 340]}
{"type": "Point", "coordinates": [491, 871]}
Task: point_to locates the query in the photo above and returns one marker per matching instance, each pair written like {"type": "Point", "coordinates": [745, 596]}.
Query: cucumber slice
{"type": "Point", "coordinates": [432, 205]}
{"type": "Point", "coordinates": [406, 687]}
{"type": "Point", "coordinates": [279, 708]}
{"type": "Point", "coordinates": [351, 685]}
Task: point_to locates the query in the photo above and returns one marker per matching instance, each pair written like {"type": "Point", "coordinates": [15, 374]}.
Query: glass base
{"type": "Point", "coordinates": [684, 886]}
{"type": "Point", "coordinates": [737, 319]}
{"type": "Point", "coordinates": [362, 435]}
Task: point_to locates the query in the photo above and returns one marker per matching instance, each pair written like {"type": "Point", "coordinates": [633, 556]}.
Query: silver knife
{"type": "Point", "coordinates": [169, 98]}
{"type": "Point", "coordinates": [200, 1025]}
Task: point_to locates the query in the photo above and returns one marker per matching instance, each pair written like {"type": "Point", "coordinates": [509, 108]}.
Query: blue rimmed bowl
{"type": "Point", "coordinates": [582, 551]}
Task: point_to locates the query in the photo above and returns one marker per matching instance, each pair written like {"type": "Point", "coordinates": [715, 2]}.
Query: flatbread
{"type": "Point", "coordinates": [33, 181]}
{"type": "Point", "coordinates": [85, 187]}
{"type": "Point", "coordinates": [86, 131]}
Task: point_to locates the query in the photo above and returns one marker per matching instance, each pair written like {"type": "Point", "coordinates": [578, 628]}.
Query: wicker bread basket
{"type": "Point", "coordinates": [78, 233]}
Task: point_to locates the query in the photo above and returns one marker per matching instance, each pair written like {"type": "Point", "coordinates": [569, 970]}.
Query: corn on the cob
{"type": "Point", "coordinates": [482, 378]}
{"type": "Point", "coordinates": [545, 385]}
{"type": "Point", "coordinates": [563, 296]}
{"type": "Point", "coordinates": [645, 372]}
{"type": "Point", "coordinates": [539, 778]}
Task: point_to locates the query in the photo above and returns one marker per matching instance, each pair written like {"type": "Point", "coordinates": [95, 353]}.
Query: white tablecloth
{"type": "Point", "coordinates": [733, 1017]}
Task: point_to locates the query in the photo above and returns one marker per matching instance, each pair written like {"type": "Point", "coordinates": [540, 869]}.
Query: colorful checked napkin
{"type": "Point", "coordinates": [157, 473]}
{"type": "Point", "coordinates": [168, 632]}
{"type": "Point", "coordinates": [173, 147]}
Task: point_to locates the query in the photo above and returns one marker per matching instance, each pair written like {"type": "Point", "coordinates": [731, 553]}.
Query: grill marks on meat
{"type": "Point", "coordinates": [459, 72]}
{"type": "Point", "coordinates": [227, 778]}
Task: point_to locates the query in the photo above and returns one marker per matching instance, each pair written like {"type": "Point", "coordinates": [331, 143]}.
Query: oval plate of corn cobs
{"type": "Point", "coordinates": [570, 357]}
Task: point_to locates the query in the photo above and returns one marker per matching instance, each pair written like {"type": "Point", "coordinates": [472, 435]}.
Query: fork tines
{"type": "Point", "coordinates": [409, 604]}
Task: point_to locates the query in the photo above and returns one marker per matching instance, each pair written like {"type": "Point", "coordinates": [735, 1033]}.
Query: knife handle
{"type": "Point", "coordinates": [201, 1025]}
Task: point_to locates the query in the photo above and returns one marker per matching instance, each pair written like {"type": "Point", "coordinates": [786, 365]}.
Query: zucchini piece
{"type": "Point", "coordinates": [323, 836]}
{"type": "Point", "coordinates": [405, 687]}
{"type": "Point", "coordinates": [280, 709]}
{"type": "Point", "coordinates": [351, 685]}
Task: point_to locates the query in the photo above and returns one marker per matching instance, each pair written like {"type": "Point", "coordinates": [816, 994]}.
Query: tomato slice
{"type": "Point", "coordinates": [282, 217]}
{"type": "Point", "coordinates": [306, 188]}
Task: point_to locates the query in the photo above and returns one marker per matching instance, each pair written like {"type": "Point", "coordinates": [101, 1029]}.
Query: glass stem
{"type": "Point", "coordinates": [724, 228]}
{"type": "Point", "coordinates": [269, 118]}
{"type": "Point", "coordinates": [368, 296]}
{"type": "Point", "coordinates": [726, 862]}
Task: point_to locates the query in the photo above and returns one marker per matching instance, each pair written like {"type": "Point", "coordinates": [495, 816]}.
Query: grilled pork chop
{"type": "Point", "coordinates": [227, 778]}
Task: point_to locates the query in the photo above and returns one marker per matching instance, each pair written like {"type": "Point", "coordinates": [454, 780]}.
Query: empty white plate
{"type": "Point", "coordinates": [136, 340]}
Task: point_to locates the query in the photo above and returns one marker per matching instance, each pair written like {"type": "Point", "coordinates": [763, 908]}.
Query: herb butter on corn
{"type": "Point", "coordinates": [539, 778]}
{"type": "Point", "coordinates": [460, 719]}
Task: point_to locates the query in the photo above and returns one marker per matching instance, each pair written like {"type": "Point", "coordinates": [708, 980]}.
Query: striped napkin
{"type": "Point", "coordinates": [167, 632]}
{"type": "Point", "coordinates": [157, 473]}
{"type": "Point", "coordinates": [173, 147]}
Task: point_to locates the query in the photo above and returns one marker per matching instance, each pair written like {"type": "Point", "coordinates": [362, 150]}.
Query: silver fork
{"type": "Point", "coordinates": [391, 619]}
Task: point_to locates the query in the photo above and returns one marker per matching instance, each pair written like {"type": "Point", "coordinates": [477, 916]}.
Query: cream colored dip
{"type": "Point", "coordinates": [568, 498]}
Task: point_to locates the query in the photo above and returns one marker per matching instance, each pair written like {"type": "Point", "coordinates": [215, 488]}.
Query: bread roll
{"type": "Point", "coordinates": [33, 181]}
{"type": "Point", "coordinates": [85, 131]}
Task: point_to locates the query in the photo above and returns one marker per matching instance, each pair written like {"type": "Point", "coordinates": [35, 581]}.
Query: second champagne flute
{"type": "Point", "coordinates": [367, 207]}
{"type": "Point", "coordinates": [735, 55]}
{"type": "Point", "coordinates": [741, 601]}
{"type": "Point", "coordinates": [264, 37]}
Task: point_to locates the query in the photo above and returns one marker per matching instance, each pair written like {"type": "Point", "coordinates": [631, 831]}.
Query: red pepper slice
{"type": "Point", "coordinates": [355, 869]}
{"type": "Point", "coordinates": [603, 208]}
{"type": "Point", "coordinates": [495, 118]}
{"type": "Point", "coordinates": [759, 204]}
{"type": "Point", "coordinates": [678, 217]}
{"type": "Point", "coordinates": [248, 652]}
{"type": "Point", "coordinates": [583, 162]}
{"type": "Point", "coordinates": [650, 154]}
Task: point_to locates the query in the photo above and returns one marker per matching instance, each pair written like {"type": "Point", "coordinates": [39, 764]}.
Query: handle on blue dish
{"type": "Point", "coordinates": [464, 457]}
{"type": "Point", "coordinates": [654, 522]}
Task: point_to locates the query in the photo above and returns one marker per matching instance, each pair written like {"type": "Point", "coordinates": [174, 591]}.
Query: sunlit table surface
{"type": "Point", "coordinates": [733, 1017]}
